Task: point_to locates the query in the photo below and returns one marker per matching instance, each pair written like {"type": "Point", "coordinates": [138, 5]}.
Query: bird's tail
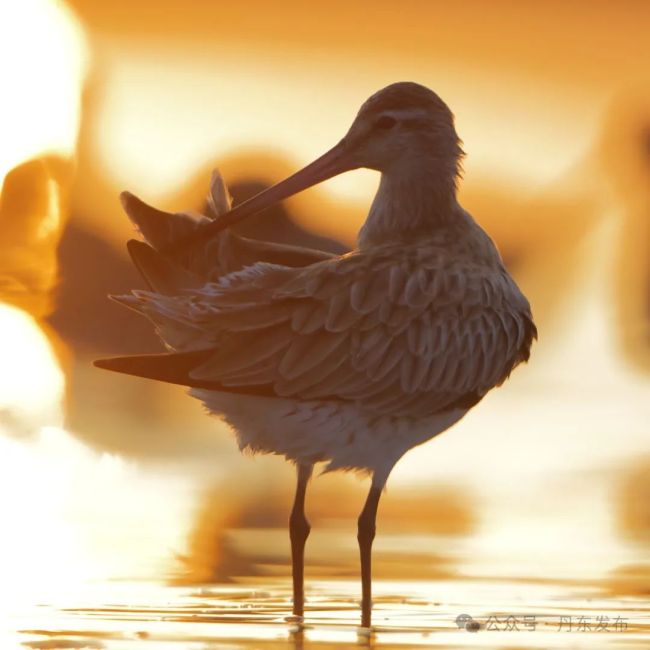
{"type": "Point", "coordinates": [173, 368]}
{"type": "Point", "coordinates": [161, 230]}
{"type": "Point", "coordinates": [161, 274]}
{"type": "Point", "coordinates": [176, 368]}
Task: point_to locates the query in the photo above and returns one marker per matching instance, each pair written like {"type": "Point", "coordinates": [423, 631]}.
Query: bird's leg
{"type": "Point", "coordinates": [298, 532]}
{"type": "Point", "coordinates": [365, 535]}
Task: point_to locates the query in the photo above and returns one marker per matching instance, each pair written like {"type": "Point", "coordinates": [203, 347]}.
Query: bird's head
{"type": "Point", "coordinates": [404, 126]}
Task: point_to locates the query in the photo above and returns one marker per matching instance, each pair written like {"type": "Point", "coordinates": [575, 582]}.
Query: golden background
{"type": "Point", "coordinates": [549, 475]}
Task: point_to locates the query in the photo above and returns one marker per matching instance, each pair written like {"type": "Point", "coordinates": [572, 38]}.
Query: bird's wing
{"type": "Point", "coordinates": [400, 333]}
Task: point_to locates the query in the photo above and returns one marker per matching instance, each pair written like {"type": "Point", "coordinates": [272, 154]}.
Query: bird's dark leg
{"type": "Point", "coordinates": [298, 532]}
{"type": "Point", "coordinates": [365, 535]}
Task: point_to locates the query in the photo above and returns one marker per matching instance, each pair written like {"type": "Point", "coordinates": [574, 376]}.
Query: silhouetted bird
{"type": "Point", "coordinates": [350, 360]}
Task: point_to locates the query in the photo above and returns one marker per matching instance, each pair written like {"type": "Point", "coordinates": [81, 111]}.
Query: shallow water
{"type": "Point", "coordinates": [255, 614]}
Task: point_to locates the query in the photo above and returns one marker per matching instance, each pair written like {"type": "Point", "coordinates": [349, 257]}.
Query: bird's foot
{"type": "Point", "coordinates": [296, 623]}
{"type": "Point", "coordinates": [365, 635]}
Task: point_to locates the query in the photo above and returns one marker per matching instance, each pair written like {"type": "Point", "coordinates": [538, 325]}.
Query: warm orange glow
{"type": "Point", "coordinates": [171, 101]}
{"type": "Point", "coordinates": [552, 104]}
{"type": "Point", "coordinates": [39, 118]}
{"type": "Point", "coordinates": [42, 53]}
{"type": "Point", "coordinates": [239, 108]}
{"type": "Point", "coordinates": [41, 49]}
{"type": "Point", "coordinates": [31, 382]}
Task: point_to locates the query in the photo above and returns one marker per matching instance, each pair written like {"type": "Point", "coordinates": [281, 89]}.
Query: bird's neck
{"type": "Point", "coordinates": [410, 201]}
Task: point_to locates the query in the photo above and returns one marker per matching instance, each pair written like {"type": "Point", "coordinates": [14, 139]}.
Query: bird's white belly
{"type": "Point", "coordinates": [312, 431]}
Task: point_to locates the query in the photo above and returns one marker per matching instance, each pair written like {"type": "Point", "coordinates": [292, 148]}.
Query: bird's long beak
{"type": "Point", "coordinates": [334, 162]}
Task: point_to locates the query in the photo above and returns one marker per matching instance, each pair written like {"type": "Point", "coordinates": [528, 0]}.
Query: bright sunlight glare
{"type": "Point", "coordinates": [42, 64]}
{"type": "Point", "coordinates": [31, 381]}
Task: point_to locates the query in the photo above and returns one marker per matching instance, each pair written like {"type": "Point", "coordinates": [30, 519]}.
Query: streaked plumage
{"type": "Point", "coordinates": [349, 360]}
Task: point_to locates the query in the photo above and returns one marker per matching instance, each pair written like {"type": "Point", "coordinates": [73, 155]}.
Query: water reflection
{"type": "Point", "coordinates": [245, 534]}
{"type": "Point", "coordinates": [408, 614]}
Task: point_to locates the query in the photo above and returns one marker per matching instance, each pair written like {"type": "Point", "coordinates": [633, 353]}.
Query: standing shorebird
{"type": "Point", "coordinates": [350, 360]}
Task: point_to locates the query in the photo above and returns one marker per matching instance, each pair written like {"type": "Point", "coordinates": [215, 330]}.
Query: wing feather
{"type": "Point", "coordinates": [374, 329]}
{"type": "Point", "coordinates": [246, 349]}
{"type": "Point", "coordinates": [341, 315]}
{"type": "Point", "coordinates": [307, 351]}
{"type": "Point", "coordinates": [316, 377]}
{"type": "Point", "coordinates": [414, 296]}
{"type": "Point", "coordinates": [396, 282]}
{"type": "Point", "coordinates": [309, 317]}
{"type": "Point", "coordinates": [367, 293]}
{"type": "Point", "coordinates": [390, 361]}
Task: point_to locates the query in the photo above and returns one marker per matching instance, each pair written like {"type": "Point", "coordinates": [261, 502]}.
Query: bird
{"type": "Point", "coordinates": [343, 360]}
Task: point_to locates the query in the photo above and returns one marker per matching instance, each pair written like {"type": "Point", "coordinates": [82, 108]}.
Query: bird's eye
{"type": "Point", "coordinates": [386, 122]}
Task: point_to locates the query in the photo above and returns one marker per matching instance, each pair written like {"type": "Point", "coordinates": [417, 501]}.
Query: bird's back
{"type": "Point", "coordinates": [409, 328]}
